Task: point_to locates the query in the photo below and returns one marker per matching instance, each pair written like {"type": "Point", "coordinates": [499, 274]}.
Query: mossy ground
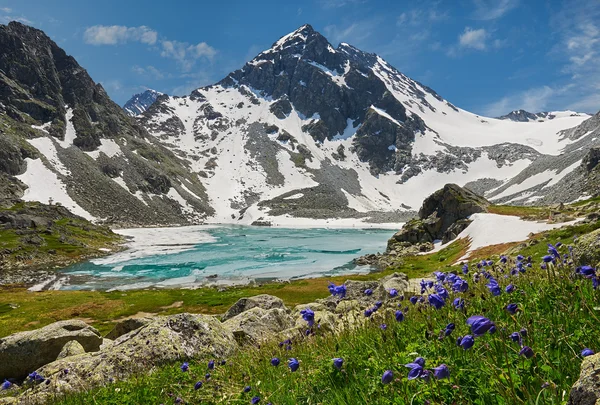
{"type": "Point", "coordinates": [66, 241]}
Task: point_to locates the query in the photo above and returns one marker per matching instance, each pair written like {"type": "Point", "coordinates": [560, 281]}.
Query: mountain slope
{"type": "Point", "coordinates": [141, 102]}
{"type": "Point", "coordinates": [62, 139]}
{"type": "Point", "coordinates": [570, 176]}
{"type": "Point", "coordinates": [308, 130]}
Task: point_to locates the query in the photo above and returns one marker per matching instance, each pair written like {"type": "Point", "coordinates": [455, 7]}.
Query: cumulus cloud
{"type": "Point", "coordinates": [475, 39]}
{"type": "Point", "coordinates": [533, 100]}
{"type": "Point", "coordinates": [119, 34]}
{"type": "Point", "coordinates": [150, 71]}
{"type": "Point", "coordinates": [186, 54]}
{"type": "Point", "coordinates": [492, 9]}
{"type": "Point", "coordinates": [576, 55]}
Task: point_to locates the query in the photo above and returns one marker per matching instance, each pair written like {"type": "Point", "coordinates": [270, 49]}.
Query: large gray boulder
{"type": "Point", "coordinates": [72, 348]}
{"type": "Point", "coordinates": [442, 216]}
{"type": "Point", "coordinates": [397, 281]}
{"type": "Point", "coordinates": [165, 339]}
{"type": "Point", "coordinates": [263, 301]}
{"type": "Point", "coordinates": [257, 324]}
{"type": "Point", "coordinates": [587, 249]}
{"type": "Point", "coordinates": [127, 325]}
{"type": "Point", "coordinates": [586, 390]}
{"type": "Point", "coordinates": [24, 352]}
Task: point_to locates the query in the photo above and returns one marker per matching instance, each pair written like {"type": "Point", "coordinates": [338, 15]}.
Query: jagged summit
{"type": "Point", "coordinates": [140, 102]}
{"type": "Point", "coordinates": [306, 129]}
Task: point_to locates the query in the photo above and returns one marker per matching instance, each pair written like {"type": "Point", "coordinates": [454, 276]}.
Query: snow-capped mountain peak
{"type": "Point", "coordinates": [308, 130]}
{"type": "Point", "coordinates": [140, 102]}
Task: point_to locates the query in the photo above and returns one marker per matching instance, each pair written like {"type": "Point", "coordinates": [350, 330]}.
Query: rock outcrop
{"type": "Point", "coordinates": [24, 352]}
{"type": "Point", "coordinates": [587, 249]}
{"type": "Point", "coordinates": [256, 325]}
{"type": "Point", "coordinates": [127, 325]}
{"type": "Point", "coordinates": [586, 390]}
{"type": "Point", "coordinates": [164, 339]}
{"type": "Point", "coordinates": [443, 216]}
{"type": "Point", "coordinates": [263, 301]}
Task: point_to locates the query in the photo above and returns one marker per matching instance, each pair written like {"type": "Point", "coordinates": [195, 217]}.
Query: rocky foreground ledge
{"type": "Point", "coordinates": [71, 356]}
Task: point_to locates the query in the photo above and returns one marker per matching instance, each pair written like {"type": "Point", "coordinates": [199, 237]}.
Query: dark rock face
{"type": "Point", "coordinates": [139, 103]}
{"type": "Point", "coordinates": [303, 62]}
{"type": "Point", "coordinates": [452, 203]}
{"type": "Point", "coordinates": [38, 78]}
{"type": "Point", "coordinates": [524, 116]}
{"type": "Point", "coordinates": [591, 160]}
{"type": "Point", "coordinates": [442, 216]}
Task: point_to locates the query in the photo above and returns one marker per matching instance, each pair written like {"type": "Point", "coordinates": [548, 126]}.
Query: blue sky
{"type": "Point", "coordinates": [486, 56]}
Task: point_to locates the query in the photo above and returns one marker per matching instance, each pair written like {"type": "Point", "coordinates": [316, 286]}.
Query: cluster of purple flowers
{"type": "Point", "coordinates": [337, 290]}
{"type": "Point", "coordinates": [590, 273]}
{"type": "Point", "coordinates": [418, 370]}
{"type": "Point", "coordinates": [480, 325]}
{"type": "Point", "coordinates": [375, 308]}
{"type": "Point", "coordinates": [309, 316]}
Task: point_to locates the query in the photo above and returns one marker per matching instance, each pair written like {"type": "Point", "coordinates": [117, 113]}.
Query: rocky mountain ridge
{"type": "Point", "coordinates": [140, 102]}
{"type": "Point", "coordinates": [302, 132]}
{"type": "Point", "coordinates": [337, 132]}
{"type": "Point", "coordinates": [62, 140]}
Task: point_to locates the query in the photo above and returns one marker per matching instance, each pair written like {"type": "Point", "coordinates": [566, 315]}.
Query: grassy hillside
{"type": "Point", "coordinates": [557, 317]}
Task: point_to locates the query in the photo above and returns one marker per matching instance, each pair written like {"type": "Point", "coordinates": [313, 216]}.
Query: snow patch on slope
{"type": "Point", "coordinates": [44, 186]}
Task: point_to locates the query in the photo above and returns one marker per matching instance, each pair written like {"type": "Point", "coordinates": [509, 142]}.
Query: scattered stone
{"type": "Point", "coordinates": [258, 325]}
{"type": "Point", "coordinates": [263, 301]}
{"type": "Point", "coordinates": [587, 249]}
{"type": "Point", "coordinates": [127, 325]}
{"type": "Point", "coordinates": [24, 352]}
{"type": "Point", "coordinates": [165, 339]}
{"type": "Point", "coordinates": [586, 390]}
{"type": "Point", "coordinates": [72, 348]}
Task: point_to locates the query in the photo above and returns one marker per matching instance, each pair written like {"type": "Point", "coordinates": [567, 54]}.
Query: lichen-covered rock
{"type": "Point", "coordinates": [24, 352]}
{"type": "Point", "coordinates": [257, 325]}
{"type": "Point", "coordinates": [72, 348]}
{"type": "Point", "coordinates": [263, 301]}
{"type": "Point", "coordinates": [346, 306]}
{"type": "Point", "coordinates": [397, 281]}
{"type": "Point", "coordinates": [127, 325]}
{"type": "Point", "coordinates": [165, 339]}
{"type": "Point", "coordinates": [586, 390]}
{"type": "Point", "coordinates": [315, 306]}
{"type": "Point", "coordinates": [587, 249]}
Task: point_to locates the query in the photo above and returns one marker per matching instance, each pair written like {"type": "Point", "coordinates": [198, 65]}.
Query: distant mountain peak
{"type": "Point", "coordinates": [140, 102]}
{"type": "Point", "coordinates": [526, 116]}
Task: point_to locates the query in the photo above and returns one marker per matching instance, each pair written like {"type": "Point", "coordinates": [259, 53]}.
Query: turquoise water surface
{"type": "Point", "coordinates": [190, 256]}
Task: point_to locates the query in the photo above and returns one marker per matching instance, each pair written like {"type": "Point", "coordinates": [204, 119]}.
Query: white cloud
{"type": "Point", "coordinates": [532, 100]}
{"type": "Point", "coordinates": [5, 19]}
{"type": "Point", "coordinates": [354, 34]}
{"type": "Point", "coordinates": [328, 4]}
{"type": "Point", "coordinates": [475, 39]}
{"type": "Point", "coordinates": [118, 34]}
{"type": "Point", "coordinates": [492, 9]}
{"type": "Point", "coordinates": [148, 71]}
{"type": "Point", "coordinates": [186, 54]}
{"type": "Point", "coordinates": [418, 16]}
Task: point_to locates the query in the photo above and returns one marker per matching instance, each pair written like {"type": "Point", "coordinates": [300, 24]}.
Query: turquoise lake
{"type": "Point", "coordinates": [225, 255]}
